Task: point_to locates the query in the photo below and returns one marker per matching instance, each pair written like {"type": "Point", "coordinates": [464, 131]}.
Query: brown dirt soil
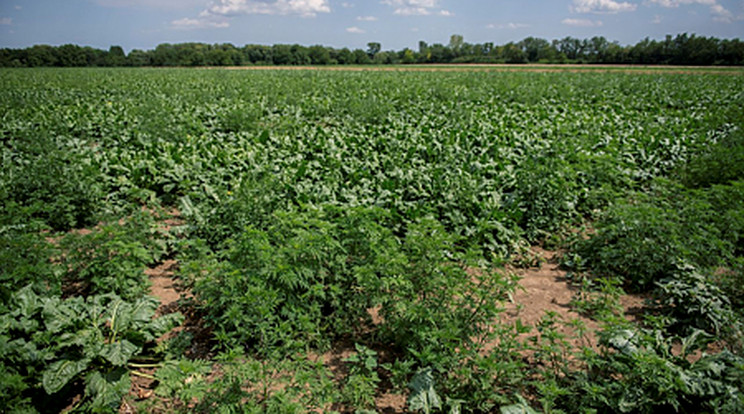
{"type": "Point", "coordinates": [545, 288]}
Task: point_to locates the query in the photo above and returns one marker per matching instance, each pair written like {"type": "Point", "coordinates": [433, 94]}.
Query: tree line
{"type": "Point", "coordinates": [682, 49]}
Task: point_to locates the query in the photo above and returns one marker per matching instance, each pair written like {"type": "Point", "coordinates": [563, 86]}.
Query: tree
{"type": "Point", "coordinates": [319, 55]}
{"type": "Point", "coordinates": [361, 57]}
{"type": "Point", "coordinates": [456, 42]}
{"type": "Point", "coordinates": [139, 58]}
{"type": "Point", "coordinates": [373, 48]}
{"type": "Point", "coordinates": [116, 56]}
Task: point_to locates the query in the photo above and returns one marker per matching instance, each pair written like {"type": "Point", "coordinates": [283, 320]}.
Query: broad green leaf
{"type": "Point", "coordinates": [423, 395]}
{"type": "Point", "coordinates": [107, 390]}
{"type": "Point", "coordinates": [119, 353]}
{"type": "Point", "coordinates": [58, 374]}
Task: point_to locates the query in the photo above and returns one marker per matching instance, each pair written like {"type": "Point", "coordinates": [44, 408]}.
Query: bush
{"type": "Point", "coordinates": [721, 163]}
{"type": "Point", "coordinates": [56, 183]}
{"type": "Point", "coordinates": [693, 302]}
{"type": "Point", "coordinates": [304, 278]}
{"type": "Point", "coordinates": [111, 258]}
{"type": "Point", "coordinates": [26, 255]}
{"type": "Point", "coordinates": [643, 240]}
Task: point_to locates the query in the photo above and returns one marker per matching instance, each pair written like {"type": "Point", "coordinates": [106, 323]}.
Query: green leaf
{"type": "Point", "coordinates": [107, 390]}
{"type": "Point", "coordinates": [622, 341]}
{"type": "Point", "coordinates": [119, 353]}
{"type": "Point", "coordinates": [521, 407]}
{"type": "Point", "coordinates": [61, 372]}
{"type": "Point", "coordinates": [143, 310]}
{"type": "Point", "coordinates": [423, 396]}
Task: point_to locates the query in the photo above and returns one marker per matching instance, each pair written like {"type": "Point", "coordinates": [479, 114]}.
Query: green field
{"type": "Point", "coordinates": [375, 216]}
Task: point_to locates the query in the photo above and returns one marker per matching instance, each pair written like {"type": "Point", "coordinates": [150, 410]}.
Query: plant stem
{"type": "Point", "coordinates": [143, 375]}
{"type": "Point", "coordinates": [132, 364]}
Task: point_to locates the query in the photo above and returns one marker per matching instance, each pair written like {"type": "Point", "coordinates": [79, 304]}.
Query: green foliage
{"type": "Point", "coordinates": [696, 303]}
{"type": "Point", "coordinates": [638, 371]}
{"type": "Point", "coordinates": [183, 379]}
{"type": "Point", "coordinates": [112, 257]}
{"type": "Point", "coordinates": [439, 300]}
{"type": "Point", "coordinates": [25, 256]}
{"type": "Point", "coordinates": [288, 385]}
{"type": "Point", "coordinates": [316, 200]}
{"type": "Point", "coordinates": [307, 277]}
{"type": "Point", "coordinates": [362, 380]}
{"type": "Point", "coordinates": [53, 180]}
{"type": "Point", "coordinates": [49, 344]}
{"type": "Point", "coordinates": [423, 396]}
{"type": "Point", "coordinates": [546, 195]}
{"type": "Point", "coordinates": [719, 163]}
{"type": "Point", "coordinates": [643, 241]}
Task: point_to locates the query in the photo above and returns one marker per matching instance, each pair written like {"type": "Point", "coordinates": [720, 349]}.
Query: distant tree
{"type": "Point", "coordinates": [281, 54]}
{"type": "Point", "coordinates": [319, 55]}
{"type": "Point", "coordinates": [139, 58]}
{"type": "Point", "coordinates": [535, 49]}
{"type": "Point", "coordinates": [42, 55]}
{"type": "Point", "coordinates": [455, 43]}
{"type": "Point", "coordinates": [514, 54]}
{"type": "Point", "coordinates": [682, 49]}
{"type": "Point", "coordinates": [361, 57]}
{"type": "Point", "coordinates": [407, 56]}
{"type": "Point", "coordinates": [373, 48]}
{"type": "Point", "coordinates": [116, 56]}
{"type": "Point", "coordinates": [344, 56]}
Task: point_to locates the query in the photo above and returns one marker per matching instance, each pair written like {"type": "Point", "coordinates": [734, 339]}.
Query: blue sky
{"type": "Point", "coordinates": [143, 24]}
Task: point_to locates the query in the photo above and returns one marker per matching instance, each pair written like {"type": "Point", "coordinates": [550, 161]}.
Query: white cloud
{"type": "Point", "coordinates": [6, 21]}
{"type": "Point", "coordinates": [657, 19]}
{"type": "Point", "coordinates": [602, 6]}
{"type": "Point", "coordinates": [510, 26]}
{"type": "Point", "coordinates": [347, 5]}
{"type": "Point", "coordinates": [305, 8]}
{"type": "Point", "coordinates": [187, 24]}
{"type": "Point", "coordinates": [720, 13]}
{"type": "Point", "coordinates": [366, 18]}
{"type": "Point", "coordinates": [582, 22]}
{"type": "Point", "coordinates": [17, 7]}
{"type": "Point", "coordinates": [676, 3]}
{"type": "Point", "coordinates": [158, 4]}
{"type": "Point", "coordinates": [416, 7]}
{"type": "Point", "coordinates": [354, 29]}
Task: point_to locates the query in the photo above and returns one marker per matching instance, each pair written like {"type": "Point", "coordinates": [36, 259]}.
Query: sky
{"type": "Point", "coordinates": [396, 24]}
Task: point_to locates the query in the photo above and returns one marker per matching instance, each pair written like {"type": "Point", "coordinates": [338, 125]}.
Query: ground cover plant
{"type": "Point", "coordinates": [373, 215]}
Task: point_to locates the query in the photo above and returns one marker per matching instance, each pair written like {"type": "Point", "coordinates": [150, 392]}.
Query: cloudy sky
{"type": "Point", "coordinates": [143, 24]}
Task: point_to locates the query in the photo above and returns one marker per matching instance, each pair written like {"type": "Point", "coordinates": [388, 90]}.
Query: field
{"type": "Point", "coordinates": [482, 240]}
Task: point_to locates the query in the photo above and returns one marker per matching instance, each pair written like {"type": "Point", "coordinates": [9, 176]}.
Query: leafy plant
{"type": "Point", "coordinates": [287, 385]}
{"type": "Point", "coordinates": [423, 396]}
{"type": "Point", "coordinates": [112, 257]}
{"type": "Point", "coordinates": [695, 303]}
{"type": "Point", "coordinates": [642, 241]}
{"type": "Point", "coordinates": [362, 380]}
{"type": "Point", "coordinates": [51, 347]}
{"type": "Point", "coordinates": [54, 180]}
{"type": "Point", "coordinates": [437, 303]}
{"type": "Point", "coordinates": [303, 279]}
{"type": "Point", "coordinates": [26, 256]}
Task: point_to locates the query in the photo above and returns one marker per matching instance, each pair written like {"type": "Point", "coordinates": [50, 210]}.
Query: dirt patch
{"type": "Point", "coordinates": [545, 288]}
